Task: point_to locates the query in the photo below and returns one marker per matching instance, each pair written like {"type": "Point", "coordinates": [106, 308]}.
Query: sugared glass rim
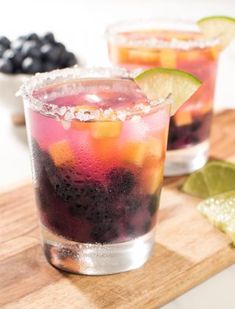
{"type": "Point", "coordinates": [69, 113]}
{"type": "Point", "coordinates": [113, 34]}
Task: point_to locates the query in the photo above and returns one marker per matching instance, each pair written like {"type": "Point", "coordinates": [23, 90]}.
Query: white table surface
{"type": "Point", "coordinates": [80, 24]}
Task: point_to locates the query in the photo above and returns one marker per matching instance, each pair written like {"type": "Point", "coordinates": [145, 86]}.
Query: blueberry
{"type": "Point", "coordinates": [6, 66]}
{"type": "Point", "coordinates": [51, 52]}
{"type": "Point", "coordinates": [49, 66]}
{"type": "Point", "coordinates": [121, 181]}
{"type": "Point", "coordinates": [48, 37]}
{"type": "Point", "coordinates": [31, 49]}
{"type": "Point", "coordinates": [32, 37]}
{"type": "Point", "coordinates": [2, 50]}
{"type": "Point", "coordinates": [60, 46]}
{"type": "Point", "coordinates": [153, 204]}
{"type": "Point", "coordinates": [9, 54]}
{"type": "Point", "coordinates": [31, 65]}
{"type": "Point", "coordinates": [4, 41]}
{"type": "Point", "coordinates": [68, 59]}
{"type": "Point", "coordinates": [18, 59]}
{"type": "Point", "coordinates": [17, 44]}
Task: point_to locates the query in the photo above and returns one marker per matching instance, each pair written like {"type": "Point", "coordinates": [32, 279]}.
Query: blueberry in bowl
{"type": "Point", "coordinates": [24, 56]}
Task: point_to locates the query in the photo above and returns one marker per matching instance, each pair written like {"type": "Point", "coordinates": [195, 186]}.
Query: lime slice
{"type": "Point", "coordinates": [221, 27]}
{"type": "Point", "coordinates": [214, 178]}
{"type": "Point", "coordinates": [220, 211]}
{"type": "Point", "coordinates": [158, 83]}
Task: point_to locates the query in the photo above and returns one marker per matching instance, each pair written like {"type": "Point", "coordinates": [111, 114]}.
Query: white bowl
{"type": "Point", "coordinates": [9, 85]}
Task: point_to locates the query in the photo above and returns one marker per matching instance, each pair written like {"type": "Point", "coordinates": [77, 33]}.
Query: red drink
{"type": "Point", "coordinates": [151, 45]}
{"type": "Point", "coordinates": [97, 163]}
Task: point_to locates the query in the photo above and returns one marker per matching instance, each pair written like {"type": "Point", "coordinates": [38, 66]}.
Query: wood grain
{"type": "Point", "coordinates": [188, 250]}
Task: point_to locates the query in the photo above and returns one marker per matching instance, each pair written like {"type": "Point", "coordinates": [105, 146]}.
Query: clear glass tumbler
{"type": "Point", "coordinates": [179, 45]}
{"type": "Point", "coordinates": [97, 147]}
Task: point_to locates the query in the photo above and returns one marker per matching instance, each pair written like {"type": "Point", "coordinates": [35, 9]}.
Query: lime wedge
{"type": "Point", "coordinates": [220, 211]}
{"type": "Point", "coordinates": [159, 83]}
{"type": "Point", "coordinates": [214, 178]}
{"type": "Point", "coordinates": [221, 27]}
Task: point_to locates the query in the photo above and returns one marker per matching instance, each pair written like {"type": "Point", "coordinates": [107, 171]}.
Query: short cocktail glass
{"type": "Point", "coordinates": [98, 147]}
{"type": "Point", "coordinates": [180, 45]}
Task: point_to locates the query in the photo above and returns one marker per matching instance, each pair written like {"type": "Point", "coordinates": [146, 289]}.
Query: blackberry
{"type": "Point", "coordinates": [146, 226]}
{"type": "Point", "coordinates": [153, 204]}
{"type": "Point", "coordinates": [133, 203]}
{"type": "Point", "coordinates": [104, 232]}
{"type": "Point", "coordinates": [91, 201]}
{"type": "Point", "coordinates": [121, 181]}
{"type": "Point", "coordinates": [44, 192]}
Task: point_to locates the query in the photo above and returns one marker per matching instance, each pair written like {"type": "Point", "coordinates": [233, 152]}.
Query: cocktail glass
{"type": "Point", "coordinates": [180, 45]}
{"type": "Point", "coordinates": [97, 146]}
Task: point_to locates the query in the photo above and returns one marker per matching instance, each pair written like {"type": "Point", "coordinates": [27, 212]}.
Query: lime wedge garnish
{"type": "Point", "coordinates": [220, 210]}
{"type": "Point", "coordinates": [221, 27]}
{"type": "Point", "coordinates": [159, 83]}
{"type": "Point", "coordinates": [214, 178]}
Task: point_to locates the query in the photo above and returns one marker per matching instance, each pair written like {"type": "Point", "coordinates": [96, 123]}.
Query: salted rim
{"type": "Point", "coordinates": [113, 34]}
{"type": "Point", "coordinates": [69, 113]}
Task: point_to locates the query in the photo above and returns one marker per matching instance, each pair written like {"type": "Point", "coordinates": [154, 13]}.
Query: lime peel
{"type": "Point", "coordinates": [221, 27]}
{"type": "Point", "coordinates": [214, 178]}
{"type": "Point", "coordinates": [158, 83]}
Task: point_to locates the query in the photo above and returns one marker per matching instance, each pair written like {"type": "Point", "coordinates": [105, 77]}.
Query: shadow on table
{"type": "Point", "coordinates": [156, 283]}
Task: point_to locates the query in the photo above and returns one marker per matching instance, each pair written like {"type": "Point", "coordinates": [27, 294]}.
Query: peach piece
{"type": "Point", "coordinates": [80, 125]}
{"type": "Point", "coordinates": [105, 149]}
{"type": "Point", "coordinates": [183, 118]}
{"type": "Point", "coordinates": [151, 162]}
{"type": "Point", "coordinates": [152, 178]}
{"type": "Point", "coordinates": [155, 147]}
{"type": "Point", "coordinates": [143, 55]}
{"type": "Point", "coordinates": [118, 54]}
{"type": "Point", "coordinates": [61, 153]}
{"type": "Point", "coordinates": [168, 58]}
{"type": "Point", "coordinates": [134, 152]}
{"type": "Point", "coordinates": [85, 108]}
{"type": "Point", "coordinates": [106, 129]}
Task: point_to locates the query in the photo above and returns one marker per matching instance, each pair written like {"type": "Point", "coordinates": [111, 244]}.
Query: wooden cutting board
{"type": "Point", "coordinates": [188, 250]}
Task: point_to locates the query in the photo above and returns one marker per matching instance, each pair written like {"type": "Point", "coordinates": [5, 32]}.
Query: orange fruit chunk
{"type": "Point", "coordinates": [61, 153]}
{"type": "Point", "coordinates": [110, 129]}
{"type": "Point", "coordinates": [183, 118]}
{"type": "Point", "coordinates": [134, 153]}
{"type": "Point", "coordinates": [152, 178]}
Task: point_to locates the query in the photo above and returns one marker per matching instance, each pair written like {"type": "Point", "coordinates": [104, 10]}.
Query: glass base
{"type": "Point", "coordinates": [96, 259]}
{"type": "Point", "coordinates": [187, 160]}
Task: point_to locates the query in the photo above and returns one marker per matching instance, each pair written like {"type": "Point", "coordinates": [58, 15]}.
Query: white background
{"type": "Point", "coordinates": [81, 25]}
